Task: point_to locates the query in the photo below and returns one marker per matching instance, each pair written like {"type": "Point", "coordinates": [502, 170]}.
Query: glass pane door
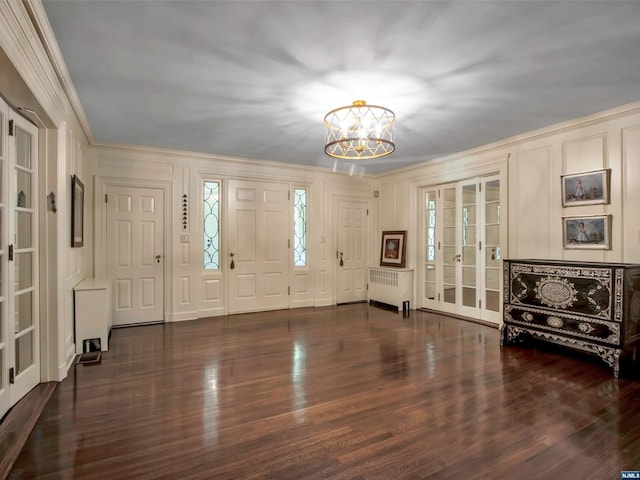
{"type": "Point", "coordinates": [5, 360]}
{"type": "Point", "coordinates": [22, 260]}
{"type": "Point", "coordinates": [449, 245]}
{"type": "Point", "coordinates": [492, 244]}
{"type": "Point", "coordinates": [469, 245]}
{"type": "Point", "coordinates": [430, 246]}
{"type": "Point", "coordinates": [461, 239]}
{"type": "Point", "coordinates": [23, 279]}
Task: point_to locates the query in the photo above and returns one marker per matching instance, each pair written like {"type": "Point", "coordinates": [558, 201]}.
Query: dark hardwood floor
{"type": "Point", "coordinates": [347, 392]}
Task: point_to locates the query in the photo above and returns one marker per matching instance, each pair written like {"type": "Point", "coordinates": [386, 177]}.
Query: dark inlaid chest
{"type": "Point", "coordinates": [594, 307]}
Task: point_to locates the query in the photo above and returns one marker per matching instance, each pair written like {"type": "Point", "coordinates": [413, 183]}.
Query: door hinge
{"type": "Point", "coordinates": [367, 212]}
{"type": "Point", "coordinates": [480, 245]}
{"type": "Point", "coordinates": [288, 194]}
{"type": "Point", "coordinates": [289, 243]}
{"type": "Point", "coordinates": [438, 297]}
{"type": "Point", "coordinates": [12, 376]}
{"type": "Point", "coordinates": [105, 198]}
{"type": "Point", "coordinates": [288, 290]}
{"type": "Point", "coordinates": [367, 286]}
{"type": "Point", "coordinates": [11, 128]}
{"type": "Point", "coordinates": [11, 252]}
{"type": "Point", "coordinates": [480, 187]}
{"type": "Point", "coordinates": [438, 245]}
{"type": "Point", "coordinates": [479, 303]}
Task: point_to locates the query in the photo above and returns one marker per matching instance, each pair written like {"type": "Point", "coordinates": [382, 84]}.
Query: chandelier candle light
{"type": "Point", "coordinates": [359, 131]}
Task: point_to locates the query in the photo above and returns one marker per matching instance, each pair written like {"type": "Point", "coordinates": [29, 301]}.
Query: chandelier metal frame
{"type": "Point", "coordinates": [359, 131]}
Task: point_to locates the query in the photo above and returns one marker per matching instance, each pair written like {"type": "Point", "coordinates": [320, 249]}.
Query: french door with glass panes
{"type": "Point", "coordinates": [462, 237]}
{"type": "Point", "coordinates": [19, 342]}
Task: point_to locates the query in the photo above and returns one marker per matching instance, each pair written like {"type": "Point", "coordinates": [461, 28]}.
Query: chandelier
{"type": "Point", "coordinates": [359, 131]}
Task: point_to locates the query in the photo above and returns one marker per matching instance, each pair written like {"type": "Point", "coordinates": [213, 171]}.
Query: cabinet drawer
{"type": "Point", "coordinates": [602, 331]}
{"type": "Point", "coordinates": [576, 290]}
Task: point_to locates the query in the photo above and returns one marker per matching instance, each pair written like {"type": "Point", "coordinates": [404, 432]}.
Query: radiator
{"type": "Point", "coordinates": [391, 286]}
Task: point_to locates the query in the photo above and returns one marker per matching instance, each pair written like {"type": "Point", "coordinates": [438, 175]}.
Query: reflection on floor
{"type": "Point", "coordinates": [347, 392]}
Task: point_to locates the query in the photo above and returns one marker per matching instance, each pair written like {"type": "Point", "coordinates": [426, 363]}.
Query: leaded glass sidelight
{"type": "Point", "coordinates": [299, 227]}
{"type": "Point", "coordinates": [211, 225]}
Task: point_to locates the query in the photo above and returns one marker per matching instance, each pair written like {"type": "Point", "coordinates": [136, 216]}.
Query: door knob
{"type": "Point", "coordinates": [158, 257]}
{"type": "Point", "coordinates": [233, 265]}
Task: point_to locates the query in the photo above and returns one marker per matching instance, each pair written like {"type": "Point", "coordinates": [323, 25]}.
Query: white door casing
{"type": "Point", "coordinates": [135, 253]}
{"type": "Point", "coordinates": [258, 259]}
{"type": "Point", "coordinates": [351, 257]}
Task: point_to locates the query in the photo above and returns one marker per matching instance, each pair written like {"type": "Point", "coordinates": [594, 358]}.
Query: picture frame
{"type": "Point", "coordinates": [590, 232]}
{"type": "Point", "coordinates": [393, 248]}
{"type": "Point", "coordinates": [77, 212]}
{"type": "Point", "coordinates": [586, 188]}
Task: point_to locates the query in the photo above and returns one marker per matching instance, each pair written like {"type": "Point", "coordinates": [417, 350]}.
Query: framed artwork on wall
{"type": "Point", "coordinates": [587, 232]}
{"type": "Point", "coordinates": [394, 247]}
{"type": "Point", "coordinates": [77, 212]}
{"type": "Point", "coordinates": [587, 188]}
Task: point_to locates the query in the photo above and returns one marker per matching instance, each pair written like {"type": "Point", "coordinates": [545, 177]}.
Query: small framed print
{"type": "Point", "coordinates": [587, 232]}
{"type": "Point", "coordinates": [394, 247]}
{"type": "Point", "coordinates": [588, 188]}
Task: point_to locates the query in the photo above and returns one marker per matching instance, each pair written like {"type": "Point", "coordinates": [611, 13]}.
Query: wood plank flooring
{"type": "Point", "coordinates": [18, 423]}
{"type": "Point", "coordinates": [348, 392]}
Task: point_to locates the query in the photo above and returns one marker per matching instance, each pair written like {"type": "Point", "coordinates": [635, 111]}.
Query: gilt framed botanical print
{"type": "Point", "coordinates": [394, 247]}
{"type": "Point", "coordinates": [587, 188]}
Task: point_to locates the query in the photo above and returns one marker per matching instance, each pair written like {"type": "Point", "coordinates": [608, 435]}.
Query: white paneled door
{"type": "Point", "coordinates": [19, 318]}
{"type": "Point", "coordinates": [135, 254]}
{"type": "Point", "coordinates": [352, 251]}
{"type": "Point", "coordinates": [258, 241]}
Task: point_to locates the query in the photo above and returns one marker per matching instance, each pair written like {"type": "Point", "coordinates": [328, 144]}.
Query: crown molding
{"type": "Point", "coordinates": [22, 40]}
{"type": "Point", "coordinates": [45, 33]}
{"type": "Point", "coordinates": [562, 127]}
{"type": "Point", "coordinates": [241, 162]}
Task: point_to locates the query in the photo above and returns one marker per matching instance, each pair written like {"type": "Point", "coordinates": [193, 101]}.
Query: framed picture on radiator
{"type": "Point", "coordinates": [394, 247]}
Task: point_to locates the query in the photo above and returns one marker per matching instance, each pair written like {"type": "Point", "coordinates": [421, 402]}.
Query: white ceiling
{"type": "Point", "coordinates": [254, 79]}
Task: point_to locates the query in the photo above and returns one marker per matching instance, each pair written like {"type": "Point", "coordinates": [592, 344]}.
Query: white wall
{"type": "Point", "coordinates": [530, 165]}
{"type": "Point", "coordinates": [62, 152]}
{"type": "Point", "coordinates": [533, 164]}
{"type": "Point", "coordinates": [191, 292]}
